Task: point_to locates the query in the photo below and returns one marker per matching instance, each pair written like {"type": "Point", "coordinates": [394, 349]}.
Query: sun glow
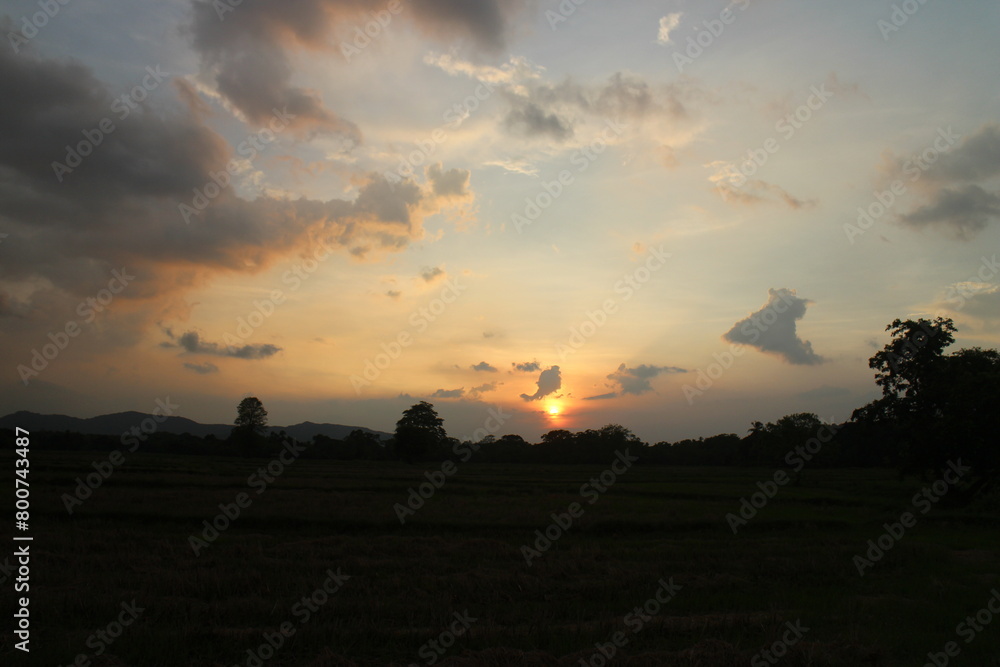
{"type": "Point", "coordinates": [554, 410]}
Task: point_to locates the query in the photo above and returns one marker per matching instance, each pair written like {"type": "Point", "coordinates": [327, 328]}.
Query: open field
{"type": "Point", "coordinates": [461, 553]}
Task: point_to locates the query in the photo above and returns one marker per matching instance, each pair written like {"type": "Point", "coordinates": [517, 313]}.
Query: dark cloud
{"type": "Point", "coordinates": [629, 96]}
{"type": "Point", "coordinates": [245, 52]}
{"type": "Point", "coordinates": [476, 392]}
{"type": "Point", "coordinates": [121, 206]}
{"type": "Point", "coordinates": [549, 381]}
{"type": "Point", "coordinates": [529, 120]}
{"type": "Point", "coordinates": [431, 274]}
{"type": "Point", "coordinates": [772, 329]}
{"type": "Point", "coordinates": [963, 211]}
{"type": "Point", "coordinates": [453, 183]}
{"type": "Point", "coordinates": [192, 343]}
{"type": "Point", "coordinates": [528, 367]}
{"type": "Point", "coordinates": [485, 367]}
{"type": "Point", "coordinates": [448, 393]}
{"type": "Point", "coordinates": [635, 381]}
{"type": "Point", "coordinates": [959, 198]}
{"type": "Point", "coordinates": [202, 369]}
{"type": "Point", "coordinates": [977, 158]}
{"type": "Point", "coordinates": [547, 109]}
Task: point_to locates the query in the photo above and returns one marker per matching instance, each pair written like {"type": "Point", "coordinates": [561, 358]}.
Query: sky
{"type": "Point", "coordinates": [677, 216]}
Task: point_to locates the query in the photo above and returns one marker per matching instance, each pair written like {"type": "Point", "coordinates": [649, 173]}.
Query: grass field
{"type": "Point", "coordinates": [461, 553]}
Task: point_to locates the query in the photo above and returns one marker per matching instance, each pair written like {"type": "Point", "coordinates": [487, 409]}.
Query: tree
{"type": "Point", "coordinates": [418, 432]}
{"type": "Point", "coordinates": [937, 408]}
{"type": "Point", "coordinates": [909, 360]}
{"type": "Point", "coordinates": [251, 415]}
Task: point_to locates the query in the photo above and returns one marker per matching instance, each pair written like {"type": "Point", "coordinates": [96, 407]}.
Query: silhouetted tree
{"type": "Point", "coordinates": [251, 423]}
{"type": "Point", "coordinates": [251, 415]}
{"type": "Point", "coordinates": [418, 432]}
{"type": "Point", "coordinates": [936, 408]}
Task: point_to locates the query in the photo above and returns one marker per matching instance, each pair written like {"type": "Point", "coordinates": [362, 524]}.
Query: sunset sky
{"type": "Point", "coordinates": [568, 211]}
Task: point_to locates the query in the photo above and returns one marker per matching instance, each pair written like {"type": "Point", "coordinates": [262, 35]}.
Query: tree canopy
{"type": "Point", "coordinates": [251, 415]}
{"type": "Point", "coordinates": [418, 432]}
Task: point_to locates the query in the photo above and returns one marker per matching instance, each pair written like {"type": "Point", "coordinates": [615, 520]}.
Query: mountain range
{"type": "Point", "coordinates": [122, 422]}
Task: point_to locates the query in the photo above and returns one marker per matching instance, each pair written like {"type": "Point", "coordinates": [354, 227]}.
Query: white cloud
{"type": "Point", "coordinates": [668, 24]}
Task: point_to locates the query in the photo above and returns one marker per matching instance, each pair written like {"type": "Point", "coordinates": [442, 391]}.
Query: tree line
{"type": "Point", "coordinates": [935, 408]}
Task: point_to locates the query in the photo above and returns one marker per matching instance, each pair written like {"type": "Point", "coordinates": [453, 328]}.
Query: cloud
{"type": "Point", "coordinates": [453, 183]}
{"type": "Point", "coordinates": [448, 393]}
{"type": "Point", "coordinates": [202, 369]}
{"type": "Point", "coordinates": [120, 207]}
{"type": "Point", "coordinates": [668, 24]}
{"type": "Point", "coordinates": [529, 120]}
{"type": "Point", "coordinates": [476, 392]}
{"type": "Point", "coordinates": [244, 50]}
{"type": "Point", "coordinates": [485, 367]}
{"type": "Point", "coordinates": [192, 343]}
{"type": "Point", "coordinates": [964, 211]}
{"type": "Point", "coordinates": [737, 189]}
{"type": "Point", "coordinates": [979, 300]}
{"type": "Point", "coordinates": [560, 111]}
{"type": "Point", "coordinates": [549, 381]}
{"type": "Point", "coordinates": [976, 159]}
{"type": "Point", "coordinates": [602, 397]}
{"type": "Point", "coordinates": [959, 197]}
{"type": "Point", "coordinates": [431, 274]}
{"type": "Point", "coordinates": [635, 381]}
{"type": "Point", "coordinates": [527, 367]}
{"type": "Point", "coordinates": [772, 329]}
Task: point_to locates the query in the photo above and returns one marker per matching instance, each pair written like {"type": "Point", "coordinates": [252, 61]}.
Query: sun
{"type": "Point", "coordinates": [554, 410]}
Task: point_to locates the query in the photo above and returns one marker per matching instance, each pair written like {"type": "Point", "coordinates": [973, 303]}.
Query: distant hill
{"type": "Point", "coordinates": [120, 422]}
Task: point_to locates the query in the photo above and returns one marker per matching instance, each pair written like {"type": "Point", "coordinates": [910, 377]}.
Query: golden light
{"type": "Point", "coordinates": [554, 410]}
